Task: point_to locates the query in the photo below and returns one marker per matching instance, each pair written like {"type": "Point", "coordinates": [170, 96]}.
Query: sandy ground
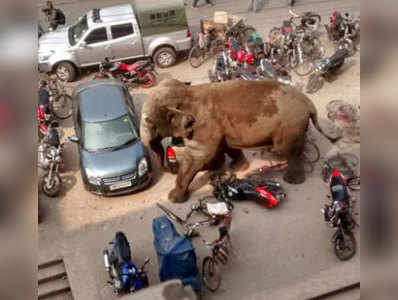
{"type": "Point", "coordinates": [284, 252]}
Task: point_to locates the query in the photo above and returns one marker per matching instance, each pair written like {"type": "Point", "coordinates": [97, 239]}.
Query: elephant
{"type": "Point", "coordinates": [227, 117]}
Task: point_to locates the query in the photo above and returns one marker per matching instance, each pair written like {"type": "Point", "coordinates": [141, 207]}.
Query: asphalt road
{"type": "Point", "coordinates": [283, 253]}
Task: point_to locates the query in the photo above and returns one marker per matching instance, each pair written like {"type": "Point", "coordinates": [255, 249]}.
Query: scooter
{"type": "Point", "coordinates": [325, 68]}
{"type": "Point", "coordinates": [123, 273]}
{"type": "Point", "coordinates": [263, 191]}
{"type": "Point", "coordinates": [339, 215]}
{"type": "Point", "coordinates": [141, 73]}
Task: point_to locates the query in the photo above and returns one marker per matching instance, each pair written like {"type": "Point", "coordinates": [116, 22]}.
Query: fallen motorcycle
{"type": "Point", "coordinates": [338, 215]}
{"type": "Point", "coordinates": [228, 188]}
{"type": "Point", "coordinates": [141, 73]}
{"type": "Point", "coordinates": [123, 273]}
{"type": "Point", "coordinates": [325, 68]}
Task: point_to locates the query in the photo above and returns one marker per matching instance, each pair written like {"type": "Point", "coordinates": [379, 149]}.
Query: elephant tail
{"type": "Point", "coordinates": [314, 118]}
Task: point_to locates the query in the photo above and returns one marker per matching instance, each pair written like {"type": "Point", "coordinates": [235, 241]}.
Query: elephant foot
{"type": "Point", "coordinates": [294, 177]}
{"type": "Point", "coordinates": [177, 196]}
{"type": "Point", "coordinates": [239, 165]}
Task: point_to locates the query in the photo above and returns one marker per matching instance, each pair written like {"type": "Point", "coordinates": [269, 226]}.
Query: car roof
{"type": "Point", "coordinates": [101, 100]}
{"type": "Point", "coordinates": [110, 14]}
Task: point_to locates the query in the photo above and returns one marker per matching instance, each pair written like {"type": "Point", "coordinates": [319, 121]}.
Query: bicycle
{"type": "Point", "coordinates": [190, 228]}
{"type": "Point", "coordinates": [206, 46]}
{"type": "Point", "coordinates": [211, 271]}
{"type": "Point", "coordinates": [60, 101]}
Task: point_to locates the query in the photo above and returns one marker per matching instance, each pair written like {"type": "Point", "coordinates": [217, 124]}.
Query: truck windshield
{"type": "Point", "coordinates": [77, 31]}
{"type": "Point", "coordinates": [108, 135]}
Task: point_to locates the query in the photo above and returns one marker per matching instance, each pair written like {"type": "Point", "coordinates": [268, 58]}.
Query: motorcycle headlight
{"type": "Point", "coordinates": [92, 179]}
{"type": "Point", "coordinates": [142, 167]}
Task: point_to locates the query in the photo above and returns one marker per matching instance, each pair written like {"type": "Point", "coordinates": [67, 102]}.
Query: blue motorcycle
{"type": "Point", "coordinates": [124, 275]}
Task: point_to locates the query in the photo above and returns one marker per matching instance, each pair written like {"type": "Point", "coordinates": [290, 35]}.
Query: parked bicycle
{"type": "Point", "coordinates": [60, 100]}
{"type": "Point", "coordinates": [206, 46]}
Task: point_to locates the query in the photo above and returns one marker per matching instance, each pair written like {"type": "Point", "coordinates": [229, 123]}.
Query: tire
{"type": "Point", "coordinates": [165, 57]}
{"type": "Point", "coordinates": [315, 83]}
{"type": "Point", "coordinates": [246, 33]}
{"type": "Point", "coordinates": [340, 246]}
{"type": "Point", "coordinates": [354, 183]}
{"type": "Point", "coordinates": [66, 71]}
{"type": "Point", "coordinates": [311, 152]}
{"type": "Point", "coordinates": [304, 69]}
{"type": "Point", "coordinates": [150, 80]}
{"type": "Point", "coordinates": [196, 56]}
{"type": "Point", "coordinates": [211, 274]}
{"type": "Point", "coordinates": [61, 106]}
{"type": "Point", "coordinates": [55, 186]}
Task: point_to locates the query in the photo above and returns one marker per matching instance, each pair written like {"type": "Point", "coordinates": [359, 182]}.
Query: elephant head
{"type": "Point", "coordinates": [163, 116]}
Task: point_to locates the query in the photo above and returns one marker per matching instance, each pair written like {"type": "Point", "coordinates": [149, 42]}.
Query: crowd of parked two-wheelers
{"type": "Point", "coordinates": [295, 46]}
{"type": "Point", "coordinates": [240, 53]}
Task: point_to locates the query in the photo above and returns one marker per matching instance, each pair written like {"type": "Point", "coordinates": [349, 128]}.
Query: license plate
{"type": "Point", "coordinates": [120, 185]}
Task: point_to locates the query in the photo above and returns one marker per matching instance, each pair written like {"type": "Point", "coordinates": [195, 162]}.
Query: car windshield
{"type": "Point", "coordinates": [77, 31]}
{"type": "Point", "coordinates": [108, 135]}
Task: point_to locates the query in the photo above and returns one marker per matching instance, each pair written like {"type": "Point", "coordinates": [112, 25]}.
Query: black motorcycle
{"type": "Point", "coordinates": [50, 160]}
{"type": "Point", "coordinates": [124, 275]}
{"type": "Point", "coordinates": [325, 68]}
{"type": "Point", "coordinates": [339, 216]}
{"type": "Point", "coordinates": [263, 191]}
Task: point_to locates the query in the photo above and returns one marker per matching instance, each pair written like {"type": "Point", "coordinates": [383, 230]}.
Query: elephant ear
{"type": "Point", "coordinates": [183, 121]}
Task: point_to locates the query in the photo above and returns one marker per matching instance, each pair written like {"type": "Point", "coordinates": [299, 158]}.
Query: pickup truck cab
{"type": "Point", "coordinates": [144, 28]}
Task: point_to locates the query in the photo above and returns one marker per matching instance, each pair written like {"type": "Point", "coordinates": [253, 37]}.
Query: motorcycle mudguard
{"type": "Point", "coordinates": [266, 198]}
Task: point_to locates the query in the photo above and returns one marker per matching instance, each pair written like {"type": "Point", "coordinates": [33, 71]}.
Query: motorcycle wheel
{"type": "Point", "coordinates": [196, 56]}
{"type": "Point", "coordinates": [304, 69]}
{"type": "Point", "coordinates": [314, 84]}
{"type": "Point", "coordinates": [211, 274]}
{"type": "Point", "coordinates": [149, 80]}
{"type": "Point", "coordinates": [61, 106]}
{"type": "Point", "coordinates": [345, 247]}
{"type": "Point", "coordinates": [53, 188]}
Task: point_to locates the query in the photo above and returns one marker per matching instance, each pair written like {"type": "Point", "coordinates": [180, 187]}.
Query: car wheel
{"type": "Point", "coordinates": [165, 57]}
{"type": "Point", "coordinates": [66, 71]}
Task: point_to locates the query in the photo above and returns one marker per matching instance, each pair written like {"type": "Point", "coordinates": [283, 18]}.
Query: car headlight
{"type": "Point", "coordinates": [45, 55]}
{"type": "Point", "coordinates": [95, 180]}
{"type": "Point", "coordinates": [142, 166]}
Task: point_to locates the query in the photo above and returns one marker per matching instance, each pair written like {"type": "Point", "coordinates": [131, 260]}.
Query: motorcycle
{"type": "Point", "coordinates": [123, 273]}
{"type": "Point", "coordinates": [267, 70]}
{"type": "Point", "coordinates": [339, 215]}
{"type": "Point", "coordinates": [325, 68]}
{"type": "Point", "coordinates": [263, 191]}
{"type": "Point", "coordinates": [141, 73]}
{"type": "Point", "coordinates": [44, 118]}
{"type": "Point", "coordinates": [344, 30]}
{"type": "Point", "coordinates": [50, 159]}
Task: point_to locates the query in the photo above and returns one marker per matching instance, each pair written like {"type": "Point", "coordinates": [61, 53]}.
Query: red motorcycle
{"type": "Point", "coordinates": [141, 73]}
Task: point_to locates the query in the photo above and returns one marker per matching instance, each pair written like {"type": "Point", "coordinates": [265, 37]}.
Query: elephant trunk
{"type": "Point", "coordinates": [153, 144]}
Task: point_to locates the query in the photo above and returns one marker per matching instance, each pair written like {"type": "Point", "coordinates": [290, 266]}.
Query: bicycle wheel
{"type": "Point", "coordinates": [311, 152]}
{"type": "Point", "coordinates": [196, 56]}
{"type": "Point", "coordinates": [354, 183]}
{"type": "Point", "coordinates": [211, 273]}
{"type": "Point", "coordinates": [170, 214]}
{"type": "Point", "coordinates": [61, 106]}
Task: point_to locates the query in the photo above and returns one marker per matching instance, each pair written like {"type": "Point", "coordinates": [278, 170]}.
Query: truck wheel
{"type": "Point", "coordinates": [165, 57]}
{"type": "Point", "coordinates": [66, 71]}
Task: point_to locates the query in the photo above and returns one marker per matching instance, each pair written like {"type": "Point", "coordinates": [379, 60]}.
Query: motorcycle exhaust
{"type": "Point", "coordinates": [106, 261]}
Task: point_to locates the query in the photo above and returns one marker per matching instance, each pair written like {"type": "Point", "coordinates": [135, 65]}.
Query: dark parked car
{"type": "Point", "coordinates": [113, 160]}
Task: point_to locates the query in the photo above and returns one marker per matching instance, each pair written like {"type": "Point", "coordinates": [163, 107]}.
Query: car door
{"type": "Point", "coordinates": [94, 47]}
{"type": "Point", "coordinates": [125, 41]}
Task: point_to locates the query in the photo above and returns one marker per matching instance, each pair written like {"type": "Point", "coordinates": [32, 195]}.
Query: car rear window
{"type": "Point", "coordinates": [122, 30]}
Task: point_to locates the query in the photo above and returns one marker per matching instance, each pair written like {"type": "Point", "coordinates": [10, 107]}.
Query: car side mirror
{"type": "Point", "coordinates": [74, 139]}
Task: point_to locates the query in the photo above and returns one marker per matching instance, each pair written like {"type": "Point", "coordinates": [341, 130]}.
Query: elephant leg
{"type": "Point", "coordinates": [295, 170]}
{"type": "Point", "coordinates": [187, 171]}
{"type": "Point", "coordinates": [239, 161]}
